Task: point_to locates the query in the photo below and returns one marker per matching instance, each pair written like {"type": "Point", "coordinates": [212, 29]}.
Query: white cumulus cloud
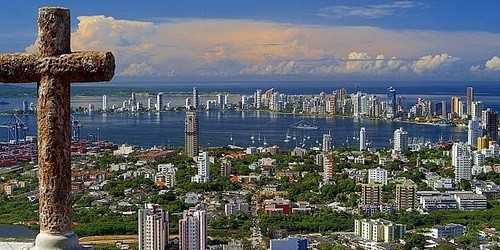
{"type": "Point", "coordinates": [430, 63]}
{"type": "Point", "coordinates": [493, 64]}
{"type": "Point", "coordinates": [226, 47]}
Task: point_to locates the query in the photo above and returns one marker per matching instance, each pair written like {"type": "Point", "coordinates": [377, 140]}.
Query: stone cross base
{"type": "Point", "coordinates": [48, 241]}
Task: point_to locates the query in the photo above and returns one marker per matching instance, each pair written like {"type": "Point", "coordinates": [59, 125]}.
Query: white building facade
{"type": "Point", "coordinates": [461, 160]}
{"type": "Point", "coordinates": [193, 230]}
{"type": "Point", "coordinates": [377, 175]}
{"type": "Point", "coordinates": [153, 228]}
{"type": "Point", "coordinates": [203, 168]}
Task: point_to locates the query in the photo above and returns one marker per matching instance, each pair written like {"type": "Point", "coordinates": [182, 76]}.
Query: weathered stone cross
{"type": "Point", "coordinates": [54, 68]}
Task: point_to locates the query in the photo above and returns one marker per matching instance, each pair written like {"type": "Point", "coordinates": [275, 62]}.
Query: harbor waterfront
{"type": "Point", "coordinates": [149, 129]}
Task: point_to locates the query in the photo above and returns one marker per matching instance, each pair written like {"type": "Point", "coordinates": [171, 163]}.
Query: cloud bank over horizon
{"type": "Point", "coordinates": [233, 47]}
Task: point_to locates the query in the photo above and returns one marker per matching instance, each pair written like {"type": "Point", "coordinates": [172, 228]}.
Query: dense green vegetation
{"type": "Point", "coordinates": [473, 219]}
{"type": "Point", "coordinates": [17, 211]}
{"type": "Point", "coordinates": [101, 221]}
{"type": "Point", "coordinates": [319, 221]}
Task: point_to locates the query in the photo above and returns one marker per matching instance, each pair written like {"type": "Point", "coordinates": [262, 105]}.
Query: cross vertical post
{"type": "Point", "coordinates": [54, 68]}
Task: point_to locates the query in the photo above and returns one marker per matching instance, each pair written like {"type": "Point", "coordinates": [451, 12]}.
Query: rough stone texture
{"type": "Point", "coordinates": [75, 67]}
{"type": "Point", "coordinates": [54, 32]}
{"type": "Point", "coordinates": [54, 175]}
{"type": "Point", "coordinates": [54, 69]}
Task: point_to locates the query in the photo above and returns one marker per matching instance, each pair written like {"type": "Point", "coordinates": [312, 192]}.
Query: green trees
{"type": "Point", "coordinates": [101, 221]}
{"type": "Point", "coordinates": [413, 240]}
{"type": "Point", "coordinates": [464, 184]}
{"type": "Point", "coordinates": [319, 221]}
{"type": "Point", "coordinates": [338, 191]}
{"type": "Point", "coordinates": [15, 211]}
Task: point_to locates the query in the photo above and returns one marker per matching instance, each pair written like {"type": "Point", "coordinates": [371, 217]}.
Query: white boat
{"type": "Point", "coordinates": [287, 137]}
{"type": "Point", "coordinates": [304, 125]}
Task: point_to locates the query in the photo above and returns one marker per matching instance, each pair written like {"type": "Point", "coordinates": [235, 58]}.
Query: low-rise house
{"type": "Point", "coordinates": [449, 231]}
{"type": "Point", "coordinates": [192, 198]}
{"type": "Point", "coordinates": [277, 205]}
{"type": "Point", "coordinates": [234, 206]}
{"type": "Point", "coordinates": [471, 201]}
{"type": "Point", "coordinates": [303, 207]}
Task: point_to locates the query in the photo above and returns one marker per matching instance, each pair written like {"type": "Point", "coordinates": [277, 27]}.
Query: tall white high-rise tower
{"type": "Point", "coordinates": [362, 139]}
{"type": "Point", "coordinates": [153, 228]}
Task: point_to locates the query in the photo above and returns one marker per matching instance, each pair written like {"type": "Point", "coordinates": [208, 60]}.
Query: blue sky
{"type": "Point", "coordinates": [232, 40]}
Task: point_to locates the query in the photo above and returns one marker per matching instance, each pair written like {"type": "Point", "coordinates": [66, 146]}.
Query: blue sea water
{"type": "Point", "coordinates": [15, 231]}
{"type": "Point", "coordinates": [216, 128]}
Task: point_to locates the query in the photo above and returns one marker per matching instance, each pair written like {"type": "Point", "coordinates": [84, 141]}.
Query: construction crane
{"type": "Point", "coordinates": [76, 125]}
{"type": "Point", "coordinates": [16, 130]}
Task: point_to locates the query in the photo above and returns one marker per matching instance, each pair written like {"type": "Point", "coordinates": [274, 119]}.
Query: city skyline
{"type": "Point", "coordinates": [341, 169]}
{"type": "Point", "coordinates": [401, 40]}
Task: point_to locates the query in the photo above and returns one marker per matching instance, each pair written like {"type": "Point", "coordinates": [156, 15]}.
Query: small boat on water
{"type": "Point", "coordinates": [304, 125]}
{"type": "Point", "coordinates": [287, 137]}
{"type": "Point", "coordinates": [3, 103]}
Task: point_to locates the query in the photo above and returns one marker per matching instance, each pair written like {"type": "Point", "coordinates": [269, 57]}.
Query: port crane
{"type": "Point", "coordinates": [16, 130]}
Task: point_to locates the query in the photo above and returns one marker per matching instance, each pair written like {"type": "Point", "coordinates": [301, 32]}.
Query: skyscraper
{"type": "Point", "coordinates": [470, 99]}
{"type": "Point", "coordinates": [356, 101]}
{"type": "Point", "coordinates": [406, 195]}
{"type": "Point", "coordinates": [159, 101]}
{"type": "Point", "coordinates": [104, 102]}
{"type": "Point", "coordinates": [257, 99]}
{"type": "Point", "coordinates": [196, 98]}
{"type": "Point", "coordinates": [362, 139]}
{"type": "Point", "coordinates": [153, 228]}
{"type": "Point", "coordinates": [444, 110]}
{"type": "Point", "coordinates": [191, 134]}
{"type": "Point", "coordinates": [455, 106]}
{"type": "Point", "coordinates": [221, 101]}
{"type": "Point", "coordinates": [477, 109]}
{"type": "Point", "coordinates": [327, 168]}
{"type": "Point", "coordinates": [474, 131]}
{"type": "Point", "coordinates": [193, 230]}
{"type": "Point", "coordinates": [225, 167]}
{"type": "Point", "coordinates": [327, 142]}
{"type": "Point", "coordinates": [203, 168]}
{"type": "Point", "coordinates": [490, 123]}
{"type": "Point", "coordinates": [461, 160]}
{"type": "Point", "coordinates": [331, 104]}
{"type": "Point", "coordinates": [150, 103]}
{"type": "Point", "coordinates": [391, 100]}
{"type": "Point", "coordinates": [400, 140]}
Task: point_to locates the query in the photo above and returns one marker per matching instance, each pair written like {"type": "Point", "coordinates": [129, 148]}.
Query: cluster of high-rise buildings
{"type": "Point", "coordinates": [194, 103]}
{"type": "Point", "coordinates": [339, 102]}
{"type": "Point", "coordinates": [153, 225]}
{"type": "Point", "coordinates": [133, 104]}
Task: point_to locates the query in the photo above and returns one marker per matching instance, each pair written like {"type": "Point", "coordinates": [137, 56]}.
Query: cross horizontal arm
{"type": "Point", "coordinates": [86, 66]}
{"type": "Point", "coordinates": [18, 67]}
